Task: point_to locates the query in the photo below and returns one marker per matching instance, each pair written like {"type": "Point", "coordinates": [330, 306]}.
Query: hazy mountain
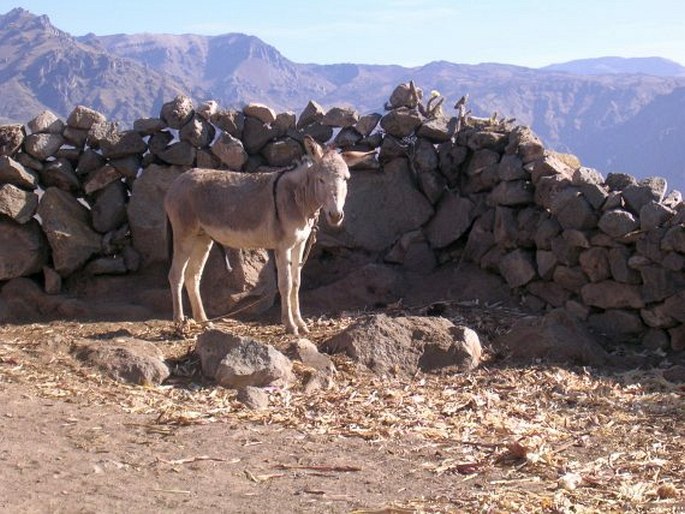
{"type": "Point", "coordinates": [233, 68]}
{"type": "Point", "coordinates": [42, 67]}
{"type": "Point", "coordinates": [656, 66]}
{"type": "Point", "coordinates": [613, 121]}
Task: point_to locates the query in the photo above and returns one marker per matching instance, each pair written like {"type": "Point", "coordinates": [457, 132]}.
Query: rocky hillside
{"type": "Point", "coordinates": [42, 67]}
{"type": "Point", "coordinates": [603, 117]}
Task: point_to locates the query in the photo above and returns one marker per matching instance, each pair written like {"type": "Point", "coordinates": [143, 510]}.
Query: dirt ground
{"type": "Point", "coordinates": [505, 438]}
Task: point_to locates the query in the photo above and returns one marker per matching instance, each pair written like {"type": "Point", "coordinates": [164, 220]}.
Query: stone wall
{"type": "Point", "coordinates": [84, 196]}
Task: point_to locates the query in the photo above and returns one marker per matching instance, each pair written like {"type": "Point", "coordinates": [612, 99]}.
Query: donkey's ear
{"type": "Point", "coordinates": [314, 149]}
{"type": "Point", "coordinates": [352, 158]}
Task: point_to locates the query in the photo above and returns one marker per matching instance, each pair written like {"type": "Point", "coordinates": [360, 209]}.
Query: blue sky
{"type": "Point", "coordinates": [406, 32]}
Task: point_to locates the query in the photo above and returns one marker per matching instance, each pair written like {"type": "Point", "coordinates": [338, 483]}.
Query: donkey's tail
{"type": "Point", "coordinates": [169, 239]}
{"type": "Point", "coordinates": [224, 250]}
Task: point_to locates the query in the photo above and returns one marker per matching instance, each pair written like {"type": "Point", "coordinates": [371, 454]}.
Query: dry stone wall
{"type": "Point", "coordinates": [85, 196]}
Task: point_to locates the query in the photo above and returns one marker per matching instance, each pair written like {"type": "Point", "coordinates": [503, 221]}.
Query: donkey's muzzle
{"type": "Point", "coordinates": [335, 218]}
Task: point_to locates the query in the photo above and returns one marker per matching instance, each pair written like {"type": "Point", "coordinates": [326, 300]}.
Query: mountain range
{"type": "Point", "coordinates": [616, 114]}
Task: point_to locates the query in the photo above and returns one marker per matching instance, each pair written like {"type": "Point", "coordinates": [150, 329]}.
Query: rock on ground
{"type": "Point", "coordinates": [237, 362]}
{"type": "Point", "coordinates": [127, 360]}
{"type": "Point", "coordinates": [405, 345]}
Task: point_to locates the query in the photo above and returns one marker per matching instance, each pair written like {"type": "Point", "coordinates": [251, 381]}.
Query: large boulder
{"type": "Point", "coordinates": [237, 361]}
{"type": "Point", "coordinates": [146, 212]}
{"type": "Point", "coordinates": [23, 250]}
{"type": "Point", "coordinates": [405, 345]}
{"type": "Point", "coordinates": [390, 199]}
{"type": "Point", "coordinates": [126, 360]}
{"type": "Point", "coordinates": [67, 225]}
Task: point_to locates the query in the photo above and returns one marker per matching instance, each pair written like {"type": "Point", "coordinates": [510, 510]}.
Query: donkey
{"type": "Point", "coordinates": [274, 211]}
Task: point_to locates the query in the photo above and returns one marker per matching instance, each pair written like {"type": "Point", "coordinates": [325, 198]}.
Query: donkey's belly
{"type": "Point", "coordinates": [259, 238]}
{"type": "Point", "coordinates": [264, 238]}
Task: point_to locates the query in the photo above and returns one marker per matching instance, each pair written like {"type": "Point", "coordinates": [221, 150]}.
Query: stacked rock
{"type": "Point", "coordinates": [85, 196]}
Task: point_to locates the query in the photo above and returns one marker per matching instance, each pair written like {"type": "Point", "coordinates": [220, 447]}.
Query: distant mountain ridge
{"type": "Point", "coordinates": [614, 121]}
{"type": "Point", "coordinates": [656, 66]}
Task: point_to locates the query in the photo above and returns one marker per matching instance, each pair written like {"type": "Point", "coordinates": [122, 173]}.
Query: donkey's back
{"type": "Point", "coordinates": [232, 208]}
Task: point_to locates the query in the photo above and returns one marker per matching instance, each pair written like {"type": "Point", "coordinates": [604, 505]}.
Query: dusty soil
{"type": "Point", "coordinates": [506, 438]}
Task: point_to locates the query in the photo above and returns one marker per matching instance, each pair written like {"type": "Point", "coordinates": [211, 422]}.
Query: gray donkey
{"type": "Point", "coordinates": [275, 211]}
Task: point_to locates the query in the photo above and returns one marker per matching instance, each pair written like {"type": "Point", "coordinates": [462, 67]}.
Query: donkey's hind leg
{"type": "Point", "coordinates": [177, 270]}
{"type": "Point", "coordinates": [196, 263]}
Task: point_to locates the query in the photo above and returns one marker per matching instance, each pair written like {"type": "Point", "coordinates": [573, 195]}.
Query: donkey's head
{"type": "Point", "coordinates": [331, 173]}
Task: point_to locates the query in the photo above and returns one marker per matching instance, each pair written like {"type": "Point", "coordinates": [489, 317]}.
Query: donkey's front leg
{"type": "Point", "coordinates": [296, 272]}
{"type": "Point", "coordinates": [285, 284]}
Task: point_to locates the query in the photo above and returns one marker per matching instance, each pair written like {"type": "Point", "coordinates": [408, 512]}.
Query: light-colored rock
{"type": "Point", "coordinates": [177, 112]}
{"type": "Point", "coordinates": [618, 222]}
{"type": "Point", "coordinates": [12, 172]}
{"type": "Point", "coordinates": [237, 361]}
{"type": "Point", "coordinates": [262, 112]}
{"type": "Point", "coordinates": [126, 359]}
{"type": "Point", "coordinates": [84, 118]}
{"type": "Point", "coordinates": [17, 204]}
{"type": "Point", "coordinates": [230, 151]}
{"type": "Point", "coordinates": [43, 145]}
{"type": "Point", "coordinates": [401, 122]}
{"type": "Point", "coordinates": [46, 121]}
{"type": "Point", "coordinates": [405, 345]}
{"type": "Point", "coordinates": [340, 117]}
{"type": "Point", "coordinates": [11, 138]}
